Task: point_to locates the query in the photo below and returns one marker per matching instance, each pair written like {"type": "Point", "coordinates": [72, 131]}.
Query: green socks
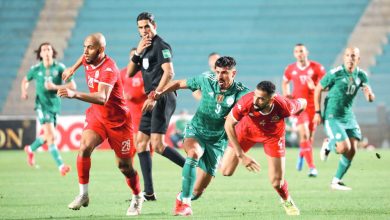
{"type": "Point", "coordinates": [56, 155]}
{"type": "Point", "coordinates": [344, 164]}
{"type": "Point", "coordinates": [189, 177]}
{"type": "Point", "coordinates": [36, 144]}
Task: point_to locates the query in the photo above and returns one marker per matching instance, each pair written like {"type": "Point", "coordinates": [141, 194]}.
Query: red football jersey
{"type": "Point", "coordinates": [134, 87]}
{"type": "Point", "coordinates": [300, 76]}
{"type": "Point", "coordinates": [270, 124]}
{"type": "Point", "coordinates": [113, 113]}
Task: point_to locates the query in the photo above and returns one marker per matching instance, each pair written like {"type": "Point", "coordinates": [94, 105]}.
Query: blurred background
{"type": "Point", "coordinates": [260, 34]}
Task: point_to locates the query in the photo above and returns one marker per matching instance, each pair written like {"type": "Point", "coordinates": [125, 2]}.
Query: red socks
{"type": "Point", "coordinates": [133, 183]}
{"type": "Point", "coordinates": [283, 190]}
{"type": "Point", "coordinates": [83, 167]}
{"type": "Point", "coordinates": [306, 151]}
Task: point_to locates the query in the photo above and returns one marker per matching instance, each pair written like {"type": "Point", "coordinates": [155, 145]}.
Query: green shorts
{"type": "Point", "coordinates": [213, 150]}
{"type": "Point", "coordinates": [340, 131]}
{"type": "Point", "coordinates": [46, 117]}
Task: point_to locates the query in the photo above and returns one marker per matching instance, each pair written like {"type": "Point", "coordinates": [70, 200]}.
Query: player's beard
{"type": "Point", "coordinates": [259, 108]}
{"type": "Point", "coordinates": [91, 59]}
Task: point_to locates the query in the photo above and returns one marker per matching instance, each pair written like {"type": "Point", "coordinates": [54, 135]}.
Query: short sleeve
{"type": "Point", "coordinates": [108, 76]}
{"type": "Point", "coordinates": [195, 83]}
{"type": "Point", "coordinates": [240, 109]}
{"type": "Point", "coordinates": [287, 74]}
{"type": "Point", "coordinates": [291, 106]}
{"type": "Point", "coordinates": [327, 80]}
{"type": "Point", "coordinates": [364, 79]}
{"type": "Point", "coordinates": [31, 74]}
{"type": "Point", "coordinates": [164, 53]}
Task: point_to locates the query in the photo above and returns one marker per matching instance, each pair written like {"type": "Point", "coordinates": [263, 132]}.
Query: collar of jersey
{"type": "Point", "coordinates": [94, 67]}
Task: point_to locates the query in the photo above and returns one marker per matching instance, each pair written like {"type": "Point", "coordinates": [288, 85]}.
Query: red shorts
{"type": "Point", "coordinates": [119, 138]}
{"type": "Point", "coordinates": [248, 136]}
{"type": "Point", "coordinates": [307, 117]}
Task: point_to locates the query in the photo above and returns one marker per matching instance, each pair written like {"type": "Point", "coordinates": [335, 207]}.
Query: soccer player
{"type": "Point", "coordinates": [107, 118]}
{"type": "Point", "coordinates": [135, 97]}
{"type": "Point", "coordinates": [153, 57]}
{"type": "Point", "coordinates": [204, 137]}
{"type": "Point", "coordinates": [258, 117]}
{"type": "Point", "coordinates": [304, 75]}
{"type": "Point", "coordinates": [340, 123]}
{"type": "Point", "coordinates": [213, 57]}
{"type": "Point", "coordinates": [48, 75]}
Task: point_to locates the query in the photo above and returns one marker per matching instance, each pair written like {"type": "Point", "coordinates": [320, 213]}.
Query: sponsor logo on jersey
{"type": "Point", "coordinates": [145, 63]}
{"type": "Point", "coordinates": [166, 53]}
{"type": "Point", "coordinates": [275, 118]}
{"type": "Point", "coordinates": [55, 73]}
{"type": "Point", "coordinates": [310, 72]}
{"type": "Point", "coordinates": [211, 94]}
{"type": "Point", "coordinates": [338, 136]}
{"type": "Point", "coordinates": [108, 69]}
{"type": "Point", "coordinates": [294, 72]}
{"type": "Point", "coordinates": [97, 74]}
{"type": "Point", "coordinates": [230, 100]}
{"type": "Point", "coordinates": [358, 81]}
{"type": "Point", "coordinates": [40, 73]}
{"type": "Point", "coordinates": [90, 82]}
{"type": "Point", "coordinates": [136, 82]}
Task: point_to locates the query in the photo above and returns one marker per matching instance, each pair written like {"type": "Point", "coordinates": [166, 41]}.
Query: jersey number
{"type": "Point", "coordinates": [351, 89]}
{"type": "Point", "coordinates": [218, 109]}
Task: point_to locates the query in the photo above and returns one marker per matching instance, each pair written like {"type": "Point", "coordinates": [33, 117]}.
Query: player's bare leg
{"type": "Point", "coordinates": [276, 173]}
{"type": "Point", "coordinates": [89, 140]}
{"type": "Point", "coordinates": [229, 162]}
{"type": "Point", "coordinates": [203, 179]}
{"type": "Point", "coordinates": [125, 165]}
{"type": "Point", "coordinates": [347, 149]}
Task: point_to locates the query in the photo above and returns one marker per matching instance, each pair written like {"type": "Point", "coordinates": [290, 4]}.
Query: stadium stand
{"type": "Point", "coordinates": [259, 34]}
{"type": "Point", "coordinates": [382, 61]}
{"type": "Point", "coordinates": [15, 34]}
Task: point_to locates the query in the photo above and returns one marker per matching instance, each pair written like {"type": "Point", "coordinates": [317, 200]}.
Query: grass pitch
{"type": "Point", "coordinates": [41, 193]}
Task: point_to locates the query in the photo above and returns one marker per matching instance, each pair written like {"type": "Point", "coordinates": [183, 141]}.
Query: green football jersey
{"type": "Point", "coordinates": [214, 106]}
{"type": "Point", "coordinates": [343, 87]}
{"type": "Point", "coordinates": [47, 100]}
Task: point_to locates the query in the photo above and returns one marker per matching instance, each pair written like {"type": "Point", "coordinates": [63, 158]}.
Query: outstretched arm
{"type": "Point", "coordinates": [23, 88]}
{"type": "Point", "coordinates": [70, 71]}
{"type": "Point", "coordinates": [370, 96]}
{"type": "Point", "coordinates": [51, 86]}
{"type": "Point", "coordinates": [247, 161]}
{"type": "Point", "coordinates": [100, 97]}
{"type": "Point", "coordinates": [170, 87]}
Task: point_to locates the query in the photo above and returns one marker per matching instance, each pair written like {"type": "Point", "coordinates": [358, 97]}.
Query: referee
{"type": "Point", "coordinates": [154, 58]}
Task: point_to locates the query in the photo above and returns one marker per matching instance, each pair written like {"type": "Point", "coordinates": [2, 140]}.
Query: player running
{"type": "Point", "coordinates": [107, 118]}
{"type": "Point", "coordinates": [258, 117]}
{"type": "Point", "coordinates": [341, 126]}
{"type": "Point", "coordinates": [304, 75]}
{"type": "Point", "coordinates": [204, 137]}
{"type": "Point", "coordinates": [48, 75]}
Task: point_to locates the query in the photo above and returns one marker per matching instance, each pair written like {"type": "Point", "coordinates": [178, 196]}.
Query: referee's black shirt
{"type": "Point", "coordinates": [151, 60]}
